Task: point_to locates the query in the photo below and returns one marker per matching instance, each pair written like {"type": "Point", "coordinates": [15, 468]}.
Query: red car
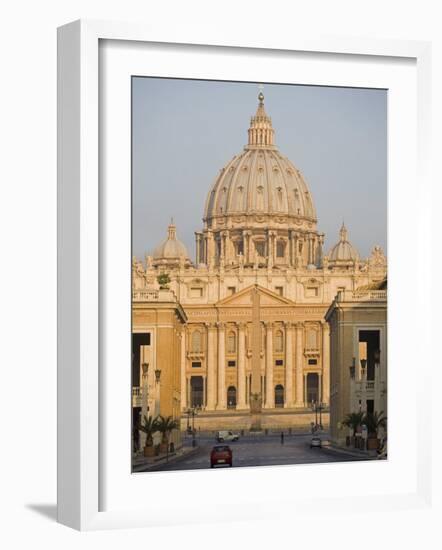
{"type": "Point", "coordinates": [221, 454]}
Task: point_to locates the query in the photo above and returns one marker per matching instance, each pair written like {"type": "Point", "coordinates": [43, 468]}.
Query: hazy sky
{"type": "Point", "coordinates": [184, 131]}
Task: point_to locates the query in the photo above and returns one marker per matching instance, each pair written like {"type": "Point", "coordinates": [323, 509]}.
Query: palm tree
{"type": "Point", "coordinates": [149, 426]}
{"type": "Point", "coordinates": [165, 427]}
{"type": "Point", "coordinates": [374, 421]}
{"type": "Point", "coordinates": [353, 420]}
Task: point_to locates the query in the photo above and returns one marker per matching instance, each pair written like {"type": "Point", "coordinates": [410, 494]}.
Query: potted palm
{"type": "Point", "coordinates": [163, 280]}
{"type": "Point", "coordinates": [149, 427]}
{"type": "Point", "coordinates": [374, 421]}
{"type": "Point", "coordinates": [353, 421]}
{"type": "Point", "coordinates": [165, 427]}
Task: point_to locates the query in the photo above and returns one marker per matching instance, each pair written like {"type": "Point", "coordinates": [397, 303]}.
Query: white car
{"type": "Point", "coordinates": [226, 436]}
{"type": "Point", "coordinates": [315, 442]}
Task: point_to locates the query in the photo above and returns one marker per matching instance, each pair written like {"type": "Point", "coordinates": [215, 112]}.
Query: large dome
{"type": "Point", "coordinates": [260, 180]}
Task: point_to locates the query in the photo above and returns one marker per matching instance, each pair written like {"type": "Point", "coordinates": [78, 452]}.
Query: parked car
{"type": "Point", "coordinates": [221, 454]}
{"type": "Point", "coordinates": [315, 442]}
{"type": "Point", "coordinates": [226, 436]}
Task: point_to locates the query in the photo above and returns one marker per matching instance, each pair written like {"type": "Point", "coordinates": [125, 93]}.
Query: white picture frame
{"type": "Point", "coordinates": [80, 295]}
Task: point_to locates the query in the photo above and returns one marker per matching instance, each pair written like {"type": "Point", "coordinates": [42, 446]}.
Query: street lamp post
{"type": "Point", "coordinates": [315, 409]}
{"type": "Point", "coordinates": [321, 407]}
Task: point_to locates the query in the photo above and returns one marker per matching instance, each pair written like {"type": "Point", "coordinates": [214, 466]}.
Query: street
{"type": "Point", "coordinates": [254, 450]}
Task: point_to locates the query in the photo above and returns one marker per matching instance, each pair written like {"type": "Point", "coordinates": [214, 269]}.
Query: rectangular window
{"type": "Point", "coordinates": [196, 292]}
{"type": "Point", "coordinates": [196, 364]}
{"type": "Point", "coordinates": [279, 290]}
{"type": "Point", "coordinates": [260, 248]}
{"type": "Point", "coordinates": [231, 290]}
{"type": "Point", "coordinates": [280, 249]}
{"type": "Point", "coordinates": [231, 363]}
{"type": "Point", "coordinates": [279, 362]}
{"type": "Point", "coordinates": [312, 361]}
{"type": "Point", "coordinates": [311, 291]}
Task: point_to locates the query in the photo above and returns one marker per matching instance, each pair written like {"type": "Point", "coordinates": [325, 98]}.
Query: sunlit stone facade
{"type": "Point", "coordinates": [256, 295]}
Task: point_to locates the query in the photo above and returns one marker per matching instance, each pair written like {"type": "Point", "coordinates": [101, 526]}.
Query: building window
{"type": "Point", "coordinates": [196, 292]}
{"type": "Point", "coordinates": [280, 249]}
{"type": "Point", "coordinates": [231, 290]}
{"type": "Point", "coordinates": [311, 292]}
{"type": "Point", "coordinates": [231, 363]}
{"type": "Point", "coordinates": [196, 341]}
{"type": "Point", "coordinates": [279, 362]}
{"type": "Point", "coordinates": [231, 342]}
{"type": "Point", "coordinates": [260, 248]}
{"type": "Point", "coordinates": [196, 364]}
{"type": "Point", "coordinates": [279, 290]}
{"type": "Point", "coordinates": [279, 341]}
{"type": "Point", "coordinates": [312, 361]}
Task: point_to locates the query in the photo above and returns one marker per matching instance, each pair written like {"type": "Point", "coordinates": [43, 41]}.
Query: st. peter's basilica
{"type": "Point", "coordinates": [244, 329]}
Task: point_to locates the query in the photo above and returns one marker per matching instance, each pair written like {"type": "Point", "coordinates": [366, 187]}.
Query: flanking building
{"type": "Point", "coordinates": [256, 295]}
{"type": "Point", "coordinates": [358, 355]}
{"type": "Point", "coordinates": [158, 322]}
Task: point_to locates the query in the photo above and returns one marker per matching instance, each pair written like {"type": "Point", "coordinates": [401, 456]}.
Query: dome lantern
{"type": "Point", "coordinates": [261, 132]}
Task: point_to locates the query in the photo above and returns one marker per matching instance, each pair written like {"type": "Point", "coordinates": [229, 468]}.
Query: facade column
{"type": "Point", "coordinates": [299, 364]}
{"type": "Point", "coordinates": [305, 389]}
{"type": "Point", "coordinates": [241, 403]}
{"type": "Point", "coordinates": [325, 363]}
{"type": "Point", "coordinates": [184, 404]}
{"type": "Point", "coordinates": [288, 365]}
{"type": "Point", "coordinates": [221, 405]}
{"type": "Point", "coordinates": [210, 249]}
{"type": "Point", "coordinates": [198, 247]}
{"type": "Point", "coordinates": [270, 395]}
{"type": "Point", "coordinates": [211, 368]}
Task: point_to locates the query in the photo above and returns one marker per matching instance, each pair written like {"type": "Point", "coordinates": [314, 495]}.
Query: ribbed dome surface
{"type": "Point", "coordinates": [343, 251]}
{"type": "Point", "coordinates": [260, 180]}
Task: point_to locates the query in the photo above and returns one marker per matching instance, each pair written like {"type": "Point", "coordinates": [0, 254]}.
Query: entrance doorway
{"type": "Point", "coordinates": [312, 387]}
{"type": "Point", "coordinates": [196, 391]}
{"type": "Point", "coordinates": [231, 397]}
{"type": "Point", "coordinates": [279, 396]}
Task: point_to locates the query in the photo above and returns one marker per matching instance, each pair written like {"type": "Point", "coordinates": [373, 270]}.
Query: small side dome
{"type": "Point", "coordinates": [171, 251]}
{"type": "Point", "coordinates": [343, 253]}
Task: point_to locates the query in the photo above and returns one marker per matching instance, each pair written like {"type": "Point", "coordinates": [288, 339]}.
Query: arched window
{"type": "Point", "coordinates": [196, 340]}
{"type": "Point", "coordinates": [280, 249]}
{"type": "Point", "coordinates": [231, 342]}
{"type": "Point", "coordinates": [279, 341]}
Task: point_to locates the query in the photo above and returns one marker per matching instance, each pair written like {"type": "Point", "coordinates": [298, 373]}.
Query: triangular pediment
{"type": "Point", "coordinates": [243, 298]}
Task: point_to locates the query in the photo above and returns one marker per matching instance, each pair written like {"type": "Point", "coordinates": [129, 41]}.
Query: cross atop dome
{"type": "Point", "coordinates": [261, 131]}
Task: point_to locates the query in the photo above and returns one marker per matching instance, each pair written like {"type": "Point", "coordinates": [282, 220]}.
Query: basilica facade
{"type": "Point", "coordinates": [255, 340]}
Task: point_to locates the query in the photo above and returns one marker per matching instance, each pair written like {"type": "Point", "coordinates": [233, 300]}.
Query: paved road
{"type": "Point", "coordinates": [258, 451]}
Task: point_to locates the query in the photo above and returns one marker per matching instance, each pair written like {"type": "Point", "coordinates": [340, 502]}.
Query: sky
{"type": "Point", "coordinates": [185, 131]}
